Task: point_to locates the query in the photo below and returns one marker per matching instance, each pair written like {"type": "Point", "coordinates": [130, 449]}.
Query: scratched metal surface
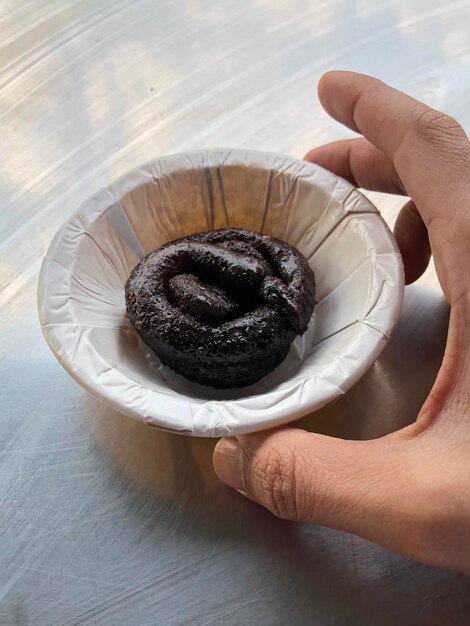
{"type": "Point", "coordinates": [102, 520]}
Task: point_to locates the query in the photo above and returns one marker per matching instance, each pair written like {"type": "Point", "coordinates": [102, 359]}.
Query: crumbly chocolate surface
{"type": "Point", "coordinates": [221, 307]}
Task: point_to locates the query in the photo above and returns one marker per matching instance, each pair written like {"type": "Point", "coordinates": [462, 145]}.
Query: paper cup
{"type": "Point", "coordinates": [357, 266]}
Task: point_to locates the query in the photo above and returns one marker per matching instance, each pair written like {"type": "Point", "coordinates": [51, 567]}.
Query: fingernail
{"type": "Point", "coordinates": [227, 461]}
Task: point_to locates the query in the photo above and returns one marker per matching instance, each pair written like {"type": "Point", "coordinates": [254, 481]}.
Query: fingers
{"type": "Point", "coordinates": [348, 485]}
{"type": "Point", "coordinates": [359, 162]}
{"type": "Point", "coordinates": [412, 238]}
{"type": "Point", "coordinates": [363, 165]}
{"type": "Point", "coordinates": [429, 149]}
{"type": "Point", "coordinates": [389, 490]}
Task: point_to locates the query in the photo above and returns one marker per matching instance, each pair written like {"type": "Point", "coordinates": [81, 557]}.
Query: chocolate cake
{"type": "Point", "coordinates": [221, 307]}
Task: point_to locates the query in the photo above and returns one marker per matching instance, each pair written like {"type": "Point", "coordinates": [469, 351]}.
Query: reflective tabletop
{"type": "Point", "coordinates": [103, 520]}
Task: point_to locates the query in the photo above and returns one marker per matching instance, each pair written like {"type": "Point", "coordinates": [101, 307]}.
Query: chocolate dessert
{"type": "Point", "coordinates": [221, 307]}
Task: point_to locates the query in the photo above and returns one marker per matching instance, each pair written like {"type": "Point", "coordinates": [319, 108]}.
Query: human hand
{"type": "Point", "coordinates": [408, 491]}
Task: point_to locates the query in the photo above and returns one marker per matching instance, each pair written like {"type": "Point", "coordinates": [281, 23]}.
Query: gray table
{"type": "Point", "coordinates": [104, 521]}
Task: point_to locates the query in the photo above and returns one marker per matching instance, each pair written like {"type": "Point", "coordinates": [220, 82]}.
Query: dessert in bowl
{"type": "Point", "coordinates": [347, 245]}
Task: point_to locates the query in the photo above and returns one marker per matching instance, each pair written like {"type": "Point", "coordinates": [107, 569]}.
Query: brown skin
{"type": "Point", "coordinates": [408, 491]}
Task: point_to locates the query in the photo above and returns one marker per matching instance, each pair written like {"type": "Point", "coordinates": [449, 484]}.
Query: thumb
{"type": "Point", "coordinates": [356, 486]}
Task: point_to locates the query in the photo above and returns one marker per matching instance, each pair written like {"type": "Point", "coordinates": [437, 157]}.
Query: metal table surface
{"type": "Point", "coordinates": [104, 521]}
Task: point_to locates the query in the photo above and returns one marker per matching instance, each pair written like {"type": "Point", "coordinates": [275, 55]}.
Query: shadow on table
{"type": "Point", "coordinates": [364, 577]}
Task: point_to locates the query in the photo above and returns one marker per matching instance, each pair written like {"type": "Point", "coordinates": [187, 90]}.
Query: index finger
{"type": "Point", "coordinates": [426, 146]}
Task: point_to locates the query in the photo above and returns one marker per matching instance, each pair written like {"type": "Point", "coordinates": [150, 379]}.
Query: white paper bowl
{"type": "Point", "coordinates": [351, 250]}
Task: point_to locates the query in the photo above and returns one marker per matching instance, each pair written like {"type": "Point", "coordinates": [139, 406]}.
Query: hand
{"type": "Point", "coordinates": [408, 491]}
